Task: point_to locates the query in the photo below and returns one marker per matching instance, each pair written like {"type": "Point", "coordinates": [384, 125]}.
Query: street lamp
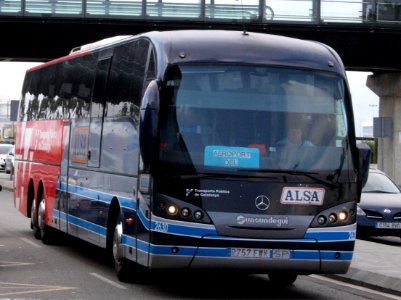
{"type": "Point", "coordinates": [373, 106]}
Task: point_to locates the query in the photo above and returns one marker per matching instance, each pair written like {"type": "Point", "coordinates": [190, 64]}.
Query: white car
{"type": "Point", "coordinates": [10, 161]}
{"type": "Point", "coordinates": [4, 148]}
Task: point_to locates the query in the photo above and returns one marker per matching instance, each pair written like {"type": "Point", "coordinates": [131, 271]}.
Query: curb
{"type": "Point", "coordinates": [6, 188]}
{"type": "Point", "coordinates": [374, 281]}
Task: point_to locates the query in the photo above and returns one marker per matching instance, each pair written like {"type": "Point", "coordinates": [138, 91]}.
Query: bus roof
{"type": "Point", "coordinates": [249, 48]}
{"type": "Point", "coordinates": [223, 46]}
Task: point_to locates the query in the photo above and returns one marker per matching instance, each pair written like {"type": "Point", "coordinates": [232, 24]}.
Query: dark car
{"type": "Point", "coordinates": [10, 161]}
{"type": "Point", "coordinates": [379, 212]}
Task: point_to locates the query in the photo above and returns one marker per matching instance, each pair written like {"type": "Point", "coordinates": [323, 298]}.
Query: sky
{"type": "Point", "coordinates": [365, 102]}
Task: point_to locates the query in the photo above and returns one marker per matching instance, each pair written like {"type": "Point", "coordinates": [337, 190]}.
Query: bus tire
{"type": "Point", "coordinates": [45, 231]}
{"type": "Point", "coordinates": [34, 220]}
{"type": "Point", "coordinates": [282, 278]}
{"type": "Point", "coordinates": [121, 264]}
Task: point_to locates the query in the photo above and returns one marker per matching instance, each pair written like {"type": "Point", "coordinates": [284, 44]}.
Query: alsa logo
{"type": "Point", "coordinates": [300, 195]}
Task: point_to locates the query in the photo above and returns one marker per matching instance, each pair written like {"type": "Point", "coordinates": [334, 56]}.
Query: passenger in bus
{"type": "Point", "coordinates": [291, 152]}
{"type": "Point", "coordinates": [323, 131]}
{"type": "Point", "coordinates": [295, 138]}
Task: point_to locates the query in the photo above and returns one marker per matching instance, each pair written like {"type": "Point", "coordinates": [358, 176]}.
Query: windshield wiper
{"type": "Point", "coordinates": [309, 174]}
{"type": "Point", "coordinates": [212, 175]}
{"type": "Point", "coordinates": [240, 173]}
{"type": "Point", "coordinates": [194, 176]}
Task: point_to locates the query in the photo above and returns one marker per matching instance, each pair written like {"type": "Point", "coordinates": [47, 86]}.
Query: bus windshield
{"type": "Point", "coordinates": [230, 117]}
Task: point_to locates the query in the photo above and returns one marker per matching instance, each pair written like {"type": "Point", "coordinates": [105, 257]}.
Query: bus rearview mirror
{"type": "Point", "coordinates": [149, 122]}
{"type": "Point", "coordinates": [363, 165]}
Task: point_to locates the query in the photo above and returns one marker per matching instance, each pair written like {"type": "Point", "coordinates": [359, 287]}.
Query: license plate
{"type": "Point", "coordinates": [281, 254]}
{"type": "Point", "coordinates": [388, 225]}
{"type": "Point", "coordinates": [261, 253]}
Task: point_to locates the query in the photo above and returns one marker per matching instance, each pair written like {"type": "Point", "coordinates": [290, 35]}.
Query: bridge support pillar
{"type": "Point", "coordinates": [388, 87]}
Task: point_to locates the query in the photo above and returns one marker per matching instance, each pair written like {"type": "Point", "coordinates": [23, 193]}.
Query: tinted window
{"type": "Point", "coordinates": [59, 90]}
{"type": "Point", "coordinates": [127, 78]}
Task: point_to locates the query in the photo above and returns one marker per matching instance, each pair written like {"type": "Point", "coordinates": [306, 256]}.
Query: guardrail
{"type": "Point", "coordinates": [262, 11]}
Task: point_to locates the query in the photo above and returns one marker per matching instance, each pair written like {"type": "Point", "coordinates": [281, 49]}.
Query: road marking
{"type": "Point", "coordinates": [13, 263]}
{"type": "Point", "coordinates": [16, 288]}
{"type": "Point", "coordinates": [361, 288]}
{"type": "Point", "coordinates": [113, 283]}
{"type": "Point", "coordinates": [31, 243]}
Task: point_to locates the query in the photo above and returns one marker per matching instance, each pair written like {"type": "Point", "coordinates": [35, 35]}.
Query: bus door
{"type": "Point", "coordinates": [88, 207]}
{"type": "Point", "coordinates": [62, 190]}
{"type": "Point", "coordinates": [97, 108]}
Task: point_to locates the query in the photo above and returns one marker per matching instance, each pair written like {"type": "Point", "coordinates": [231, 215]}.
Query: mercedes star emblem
{"type": "Point", "coordinates": [262, 202]}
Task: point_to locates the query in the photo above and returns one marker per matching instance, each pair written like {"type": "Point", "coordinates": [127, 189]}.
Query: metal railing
{"type": "Point", "coordinates": [259, 11]}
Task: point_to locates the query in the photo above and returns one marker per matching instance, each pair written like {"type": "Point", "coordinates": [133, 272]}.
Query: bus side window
{"type": "Point", "coordinates": [128, 70]}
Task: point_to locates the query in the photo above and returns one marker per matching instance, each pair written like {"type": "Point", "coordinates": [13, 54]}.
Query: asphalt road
{"type": "Point", "coordinates": [76, 270]}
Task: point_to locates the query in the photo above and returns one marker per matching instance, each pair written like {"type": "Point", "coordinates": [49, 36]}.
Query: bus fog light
{"type": "Point", "coordinates": [129, 221]}
{"type": "Point", "coordinates": [332, 218]}
{"type": "Point", "coordinates": [321, 220]}
{"type": "Point", "coordinates": [342, 216]}
{"type": "Point", "coordinates": [198, 215]}
{"type": "Point", "coordinates": [185, 212]}
{"type": "Point", "coordinates": [172, 210]}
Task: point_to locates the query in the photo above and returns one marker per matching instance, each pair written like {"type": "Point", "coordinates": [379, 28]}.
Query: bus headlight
{"type": "Point", "coordinates": [332, 218]}
{"type": "Point", "coordinates": [321, 220]}
{"type": "Point", "coordinates": [172, 208]}
{"type": "Point", "coordinates": [340, 215]}
{"type": "Point", "coordinates": [185, 212]}
{"type": "Point", "coordinates": [198, 215]}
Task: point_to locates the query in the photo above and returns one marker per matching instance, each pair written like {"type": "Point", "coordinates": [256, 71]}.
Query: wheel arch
{"type": "Point", "coordinates": [114, 211]}
{"type": "Point", "coordinates": [40, 192]}
{"type": "Point", "coordinates": [30, 197]}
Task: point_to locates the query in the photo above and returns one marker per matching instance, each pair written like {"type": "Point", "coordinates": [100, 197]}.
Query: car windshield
{"type": "Point", "coordinates": [5, 149]}
{"type": "Point", "coordinates": [230, 117]}
{"type": "Point", "coordinates": [380, 183]}
{"type": "Point", "coordinates": [10, 152]}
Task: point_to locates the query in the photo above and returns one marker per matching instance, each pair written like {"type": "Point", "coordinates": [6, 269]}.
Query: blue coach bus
{"type": "Point", "coordinates": [192, 149]}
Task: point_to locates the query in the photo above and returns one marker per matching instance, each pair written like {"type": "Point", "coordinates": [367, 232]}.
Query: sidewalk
{"type": "Point", "coordinates": [374, 265]}
{"type": "Point", "coordinates": [6, 181]}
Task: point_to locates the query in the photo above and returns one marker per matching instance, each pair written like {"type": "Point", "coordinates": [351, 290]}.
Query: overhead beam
{"type": "Point", "coordinates": [31, 39]}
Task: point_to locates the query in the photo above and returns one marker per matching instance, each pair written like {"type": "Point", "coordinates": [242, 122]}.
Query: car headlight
{"type": "Point", "coordinates": [359, 211]}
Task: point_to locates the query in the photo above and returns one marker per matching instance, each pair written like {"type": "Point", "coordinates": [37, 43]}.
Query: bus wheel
{"type": "Point", "coordinates": [44, 233]}
{"type": "Point", "coordinates": [121, 264]}
{"type": "Point", "coordinates": [282, 278]}
{"type": "Point", "coordinates": [34, 220]}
